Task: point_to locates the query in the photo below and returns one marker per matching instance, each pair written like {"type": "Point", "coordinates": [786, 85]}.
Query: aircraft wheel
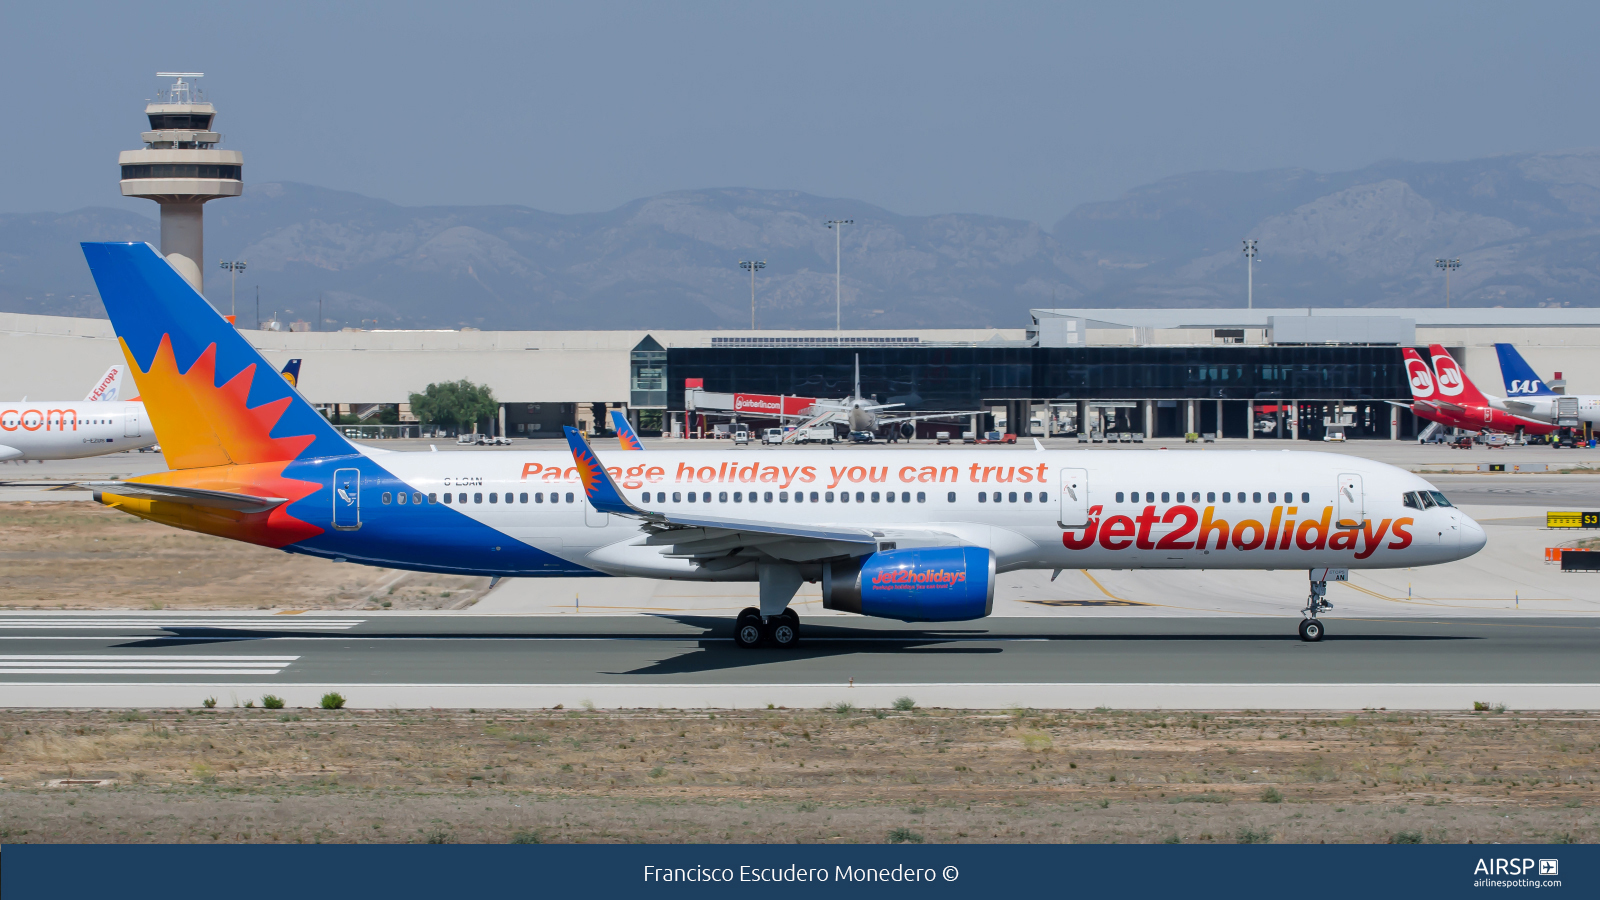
{"type": "Point", "coordinates": [1310, 631]}
{"type": "Point", "coordinates": [784, 630]}
{"type": "Point", "coordinates": [747, 629]}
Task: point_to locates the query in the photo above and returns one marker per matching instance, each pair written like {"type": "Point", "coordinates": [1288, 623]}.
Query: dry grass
{"type": "Point", "coordinates": [786, 776]}
{"type": "Point", "coordinates": [78, 555]}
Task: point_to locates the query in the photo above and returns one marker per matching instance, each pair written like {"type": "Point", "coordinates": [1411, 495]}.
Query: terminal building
{"type": "Point", "coordinates": [1261, 374]}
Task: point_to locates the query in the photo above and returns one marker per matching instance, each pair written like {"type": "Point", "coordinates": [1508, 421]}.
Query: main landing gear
{"type": "Point", "coordinates": [781, 631]}
{"type": "Point", "coordinates": [1311, 629]}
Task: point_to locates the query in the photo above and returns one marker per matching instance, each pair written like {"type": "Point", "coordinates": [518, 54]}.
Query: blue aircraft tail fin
{"type": "Point", "coordinates": [1521, 380]}
{"type": "Point", "coordinates": [210, 395]}
{"type": "Point", "coordinates": [625, 433]}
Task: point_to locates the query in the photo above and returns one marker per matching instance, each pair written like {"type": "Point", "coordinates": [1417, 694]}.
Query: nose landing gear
{"type": "Point", "coordinates": [1311, 629]}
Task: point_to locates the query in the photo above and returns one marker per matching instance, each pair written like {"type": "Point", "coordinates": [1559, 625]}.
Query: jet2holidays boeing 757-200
{"type": "Point", "coordinates": [916, 535]}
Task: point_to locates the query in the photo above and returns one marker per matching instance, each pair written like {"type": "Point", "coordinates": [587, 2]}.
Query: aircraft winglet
{"type": "Point", "coordinates": [602, 491]}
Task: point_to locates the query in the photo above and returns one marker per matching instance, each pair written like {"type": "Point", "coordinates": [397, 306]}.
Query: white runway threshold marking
{"type": "Point", "coordinates": [130, 664]}
{"type": "Point", "coordinates": [275, 623]}
{"type": "Point", "coordinates": [967, 695]}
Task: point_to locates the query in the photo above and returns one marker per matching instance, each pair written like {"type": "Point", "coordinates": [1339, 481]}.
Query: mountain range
{"type": "Point", "coordinates": [1526, 228]}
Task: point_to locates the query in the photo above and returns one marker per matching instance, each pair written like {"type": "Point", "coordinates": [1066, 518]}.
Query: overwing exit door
{"type": "Point", "coordinates": [347, 499]}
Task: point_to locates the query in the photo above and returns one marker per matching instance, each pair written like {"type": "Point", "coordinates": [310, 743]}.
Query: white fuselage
{"type": "Point", "coordinates": [1543, 407]}
{"type": "Point", "coordinates": [1033, 509]}
{"type": "Point", "coordinates": [72, 430]}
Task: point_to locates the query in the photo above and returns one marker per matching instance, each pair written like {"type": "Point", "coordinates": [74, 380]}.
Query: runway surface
{"type": "Point", "coordinates": [687, 661]}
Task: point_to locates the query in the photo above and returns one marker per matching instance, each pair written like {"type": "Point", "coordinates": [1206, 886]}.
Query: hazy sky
{"type": "Point", "coordinates": [1021, 110]}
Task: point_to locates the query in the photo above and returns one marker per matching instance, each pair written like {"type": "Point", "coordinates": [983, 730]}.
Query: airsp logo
{"type": "Point", "coordinates": [1449, 376]}
{"type": "Point", "coordinates": [1514, 866]}
{"type": "Point", "coordinates": [1421, 378]}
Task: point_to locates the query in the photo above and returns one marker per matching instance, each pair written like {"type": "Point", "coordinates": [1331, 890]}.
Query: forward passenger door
{"type": "Point", "coordinates": [1350, 505]}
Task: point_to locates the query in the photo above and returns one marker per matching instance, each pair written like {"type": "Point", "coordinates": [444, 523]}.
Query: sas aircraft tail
{"type": "Point", "coordinates": [1520, 379]}
{"type": "Point", "coordinates": [1454, 385]}
{"type": "Point", "coordinates": [209, 395]}
{"type": "Point", "coordinates": [625, 433]}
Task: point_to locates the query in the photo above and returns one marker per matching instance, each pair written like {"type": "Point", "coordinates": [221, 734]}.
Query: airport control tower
{"type": "Point", "coordinates": [179, 169]}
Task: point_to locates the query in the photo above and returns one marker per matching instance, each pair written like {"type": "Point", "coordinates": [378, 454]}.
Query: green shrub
{"type": "Point", "coordinates": [335, 700]}
{"type": "Point", "coordinates": [904, 836]}
{"type": "Point", "coordinates": [1271, 795]}
{"type": "Point", "coordinates": [844, 707]}
{"type": "Point", "coordinates": [209, 703]}
{"type": "Point", "coordinates": [1406, 837]}
{"type": "Point", "coordinates": [658, 772]}
{"type": "Point", "coordinates": [1248, 835]}
{"type": "Point", "coordinates": [526, 837]}
{"type": "Point", "coordinates": [272, 702]}
{"type": "Point", "coordinates": [905, 704]}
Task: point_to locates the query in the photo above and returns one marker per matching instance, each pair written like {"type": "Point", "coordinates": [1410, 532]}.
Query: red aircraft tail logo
{"type": "Point", "coordinates": [1421, 378]}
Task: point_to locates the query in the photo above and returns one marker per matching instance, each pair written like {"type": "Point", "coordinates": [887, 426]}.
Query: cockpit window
{"type": "Point", "coordinates": [1410, 500]}
{"type": "Point", "coordinates": [1438, 498]}
{"type": "Point", "coordinates": [1427, 499]}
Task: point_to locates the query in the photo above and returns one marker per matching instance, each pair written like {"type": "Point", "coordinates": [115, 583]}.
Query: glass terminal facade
{"type": "Point", "coordinates": [1249, 381]}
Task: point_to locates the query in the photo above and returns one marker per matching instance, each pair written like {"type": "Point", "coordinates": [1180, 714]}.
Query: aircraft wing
{"type": "Point", "coordinates": [943, 415]}
{"type": "Point", "coordinates": [832, 415]}
{"type": "Point", "coordinates": [692, 534]}
{"type": "Point", "coordinates": [248, 503]}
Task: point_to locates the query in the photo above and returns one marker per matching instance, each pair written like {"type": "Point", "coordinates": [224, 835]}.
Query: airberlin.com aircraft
{"type": "Point", "coordinates": [1447, 396]}
{"type": "Point", "coordinates": [917, 535]}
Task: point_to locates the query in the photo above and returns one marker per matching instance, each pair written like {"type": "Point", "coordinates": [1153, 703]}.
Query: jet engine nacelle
{"type": "Point", "coordinates": [934, 584]}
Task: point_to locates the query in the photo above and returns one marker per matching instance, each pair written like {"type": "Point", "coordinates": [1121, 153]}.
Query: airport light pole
{"type": "Point", "coordinates": [234, 266]}
{"type": "Point", "coordinates": [1250, 267]}
{"type": "Point", "coordinates": [838, 304]}
{"type": "Point", "coordinates": [1447, 265]}
{"type": "Point", "coordinates": [754, 265]}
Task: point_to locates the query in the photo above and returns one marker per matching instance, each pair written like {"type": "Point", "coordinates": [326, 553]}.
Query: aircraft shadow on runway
{"type": "Point", "coordinates": [820, 641]}
{"type": "Point", "coordinates": [816, 637]}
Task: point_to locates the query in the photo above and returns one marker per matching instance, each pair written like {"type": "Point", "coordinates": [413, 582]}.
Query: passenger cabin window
{"type": "Point", "coordinates": [952, 497]}
{"type": "Point", "coordinates": [1256, 497]}
{"type": "Point", "coordinates": [569, 497]}
{"type": "Point", "coordinates": [387, 497]}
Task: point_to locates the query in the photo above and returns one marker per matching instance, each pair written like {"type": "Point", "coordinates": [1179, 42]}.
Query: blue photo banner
{"type": "Point", "coordinates": [395, 872]}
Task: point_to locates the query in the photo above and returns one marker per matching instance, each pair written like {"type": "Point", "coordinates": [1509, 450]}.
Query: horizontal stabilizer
{"type": "Point", "coordinates": [246, 503]}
